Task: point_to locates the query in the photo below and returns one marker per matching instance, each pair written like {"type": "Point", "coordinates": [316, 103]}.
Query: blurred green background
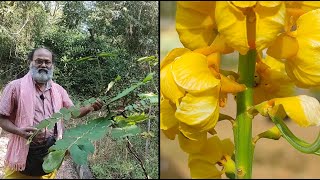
{"type": "Point", "coordinates": [272, 159]}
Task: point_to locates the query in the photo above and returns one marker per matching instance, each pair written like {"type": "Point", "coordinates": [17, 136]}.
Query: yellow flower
{"type": "Point", "coordinates": [271, 80]}
{"type": "Point", "coordinates": [203, 164]}
{"type": "Point", "coordinates": [192, 146]}
{"type": "Point", "coordinates": [246, 25]}
{"type": "Point", "coordinates": [168, 122]}
{"type": "Point", "coordinates": [301, 49]}
{"type": "Point", "coordinates": [303, 110]}
{"type": "Point", "coordinates": [195, 24]}
{"type": "Point", "coordinates": [191, 84]}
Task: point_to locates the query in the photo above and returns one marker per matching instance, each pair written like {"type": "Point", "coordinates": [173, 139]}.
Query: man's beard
{"type": "Point", "coordinates": [41, 75]}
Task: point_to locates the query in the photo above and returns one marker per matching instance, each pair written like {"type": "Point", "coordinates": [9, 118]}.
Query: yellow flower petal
{"type": "Point", "coordinates": [274, 64]}
{"type": "Point", "coordinates": [195, 23]}
{"type": "Point", "coordinates": [191, 73]}
{"type": "Point", "coordinates": [303, 5]}
{"type": "Point", "coordinates": [190, 132]}
{"type": "Point", "coordinates": [168, 87]}
{"type": "Point", "coordinates": [200, 111]}
{"type": "Point", "coordinates": [213, 61]}
{"type": "Point", "coordinates": [203, 170]}
{"type": "Point", "coordinates": [169, 58]}
{"type": "Point", "coordinates": [304, 68]}
{"type": "Point", "coordinates": [227, 147]}
{"type": "Point", "coordinates": [244, 4]}
{"type": "Point", "coordinates": [271, 81]}
{"type": "Point", "coordinates": [192, 146]}
{"type": "Point", "coordinates": [269, 23]}
{"type": "Point", "coordinates": [171, 133]}
{"type": "Point", "coordinates": [269, 3]}
{"type": "Point", "coordinates": [230, 86]}
{"type": "Point", "coordinates": [218, 45]}
{"type": "Point", "coordinates": [283, 47]}
{"type": "Point", "coordinates": [303, 110]}
{"type": "Point", "coordinates": [167, 118]}
{"type": "Point", "coordinates": [212, 151]}
{"type": "Point", "coordinates": [232, 26]}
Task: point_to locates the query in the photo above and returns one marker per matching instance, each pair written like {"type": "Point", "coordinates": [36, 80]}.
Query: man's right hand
{"type": "Point", "coordinates": [26, 132]}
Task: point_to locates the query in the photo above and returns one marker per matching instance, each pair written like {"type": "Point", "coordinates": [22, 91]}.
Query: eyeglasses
{"type": "Point", "coordinates": [40, 62]}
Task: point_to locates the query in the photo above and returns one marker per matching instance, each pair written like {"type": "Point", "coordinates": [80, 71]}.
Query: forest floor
{"type": "Point", "coordinates": [66, 171]}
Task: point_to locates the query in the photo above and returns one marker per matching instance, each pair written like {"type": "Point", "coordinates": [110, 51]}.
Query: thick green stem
{"type": "Point", "coordinates": [243, 125]}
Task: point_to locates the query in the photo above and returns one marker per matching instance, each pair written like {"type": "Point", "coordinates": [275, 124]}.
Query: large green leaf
{"type": "Point", "coordinates": [125, 131]}
{"type": "Point", "coordinates": [85, 145]}
{"type": "Point", "coordinates": [53, 161]}
{"type": "Point", "coordinates": [67, 116]}
{"type": "Point", "coordinates": [57, 115]}
{"type": "Point", "coordinates": [79, 156]}
{"type": "Point", "coordinates": [64, 111]}
{"type": "Point", "coordinates": [62, 144]}
{"type": "Point", "coordinates": [125, 92]}
{"type": "Point", "coordinates": [75, 111]}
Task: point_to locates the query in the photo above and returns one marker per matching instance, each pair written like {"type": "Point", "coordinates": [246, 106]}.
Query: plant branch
{"type": "Point", "coordinates": [132, 151]}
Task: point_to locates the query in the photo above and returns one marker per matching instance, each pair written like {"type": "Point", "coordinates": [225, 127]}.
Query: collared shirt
{"type": "Point", "coordinates": [43, 108]}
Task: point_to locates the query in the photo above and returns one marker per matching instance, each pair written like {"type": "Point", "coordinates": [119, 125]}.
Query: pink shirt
{"type": "Point", "coordinates": [43, 108]}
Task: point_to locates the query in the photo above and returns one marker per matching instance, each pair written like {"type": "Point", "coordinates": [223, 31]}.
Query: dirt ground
{"type": "Point", "coordinates": [272, 159]}
{"type": "Point", "coordinates": [66, 171]}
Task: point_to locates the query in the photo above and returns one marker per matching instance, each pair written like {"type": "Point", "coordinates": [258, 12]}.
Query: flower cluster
{"type": "Point", "coordinates": [194, 87]}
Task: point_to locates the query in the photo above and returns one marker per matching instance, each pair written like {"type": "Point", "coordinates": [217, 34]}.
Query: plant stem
{"type": "Point", "coordinates": [243, 124]}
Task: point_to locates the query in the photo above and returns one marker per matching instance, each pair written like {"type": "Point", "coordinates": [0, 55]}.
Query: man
{"type": "Point", "coordinates": [27, 101]}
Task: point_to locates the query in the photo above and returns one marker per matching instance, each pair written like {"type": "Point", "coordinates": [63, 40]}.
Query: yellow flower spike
{"type": "Point", "coordinates": [230, 86]}
{"type": "Point", "coordinates": [168, 87]}
{"type": "Point", "coordinates": [192, 146]}
{"type": "Point", "coordinates": [283, 47]}
{"type": "Point", "coordinates": [231, 25]}
{"type": "Point", "coordinates": [199, 111]}
{"type": "Point", "coordinates": [303, 110]}
{"type": "Point", "coordinates": [167, 118]}
{"type": "Point", "coordinates": [195, 23]}
{"type": "Point", "coordinates": [169, 58]}
{"type": "Point", "coordinates": [304, 67]}
{"type": "Point", "coordinates": [191, 72]}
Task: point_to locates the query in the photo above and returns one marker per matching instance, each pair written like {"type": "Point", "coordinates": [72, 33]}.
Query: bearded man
{"type": "Point", "coordinates": [24, 103]}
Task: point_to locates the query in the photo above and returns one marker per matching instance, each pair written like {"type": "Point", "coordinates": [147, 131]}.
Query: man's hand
{"type": "Point", "coordinates": [26, 132]}
{"type": "Point", "coordinates": [93, 107]}
{"type": "Point", "coordinates": [96, 105]}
